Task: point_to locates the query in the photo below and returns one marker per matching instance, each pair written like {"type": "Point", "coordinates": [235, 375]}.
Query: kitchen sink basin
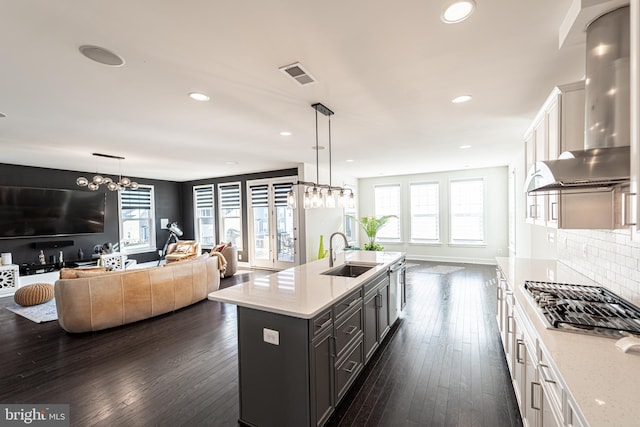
{"type": "Point", "coordinates": [349, 270]}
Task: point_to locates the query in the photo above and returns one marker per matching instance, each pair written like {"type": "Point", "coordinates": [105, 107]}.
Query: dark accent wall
{"type": "Point", "coordinates": [187, 191]}
{"type": "Point", "coordinates": [168, 204]}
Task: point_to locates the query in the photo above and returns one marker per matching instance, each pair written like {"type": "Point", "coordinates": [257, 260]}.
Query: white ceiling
{"type": "Point", "coordinates": [387, 69]}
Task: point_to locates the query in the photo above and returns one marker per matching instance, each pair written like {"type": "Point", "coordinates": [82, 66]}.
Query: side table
{"type": "Point", "coordinates": [9, 279]}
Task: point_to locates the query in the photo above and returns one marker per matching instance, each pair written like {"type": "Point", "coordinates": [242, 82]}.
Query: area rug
{"type": "Point", "coordinates": [442, 269]}
{"type": "Point", "coordinates": [37, 313]}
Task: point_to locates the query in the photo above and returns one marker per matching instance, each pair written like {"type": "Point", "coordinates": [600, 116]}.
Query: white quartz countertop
{"type": "Point", "coordinates": [603, 381]}
{"type": "Point", "coordinates": [303, 291]}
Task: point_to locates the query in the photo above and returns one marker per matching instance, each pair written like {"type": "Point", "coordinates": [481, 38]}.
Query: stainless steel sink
{"type": "Point", "coordinates": [349, 270]}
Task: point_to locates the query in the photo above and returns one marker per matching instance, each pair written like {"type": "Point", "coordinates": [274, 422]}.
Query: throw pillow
{"type": "Point", "coordinates": [183, 249]}
{"type": "Point", "coordinates": [219, 248]}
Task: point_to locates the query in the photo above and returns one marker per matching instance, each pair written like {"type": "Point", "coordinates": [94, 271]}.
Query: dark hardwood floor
{"type": "Point", "coordinates": [441, 365]}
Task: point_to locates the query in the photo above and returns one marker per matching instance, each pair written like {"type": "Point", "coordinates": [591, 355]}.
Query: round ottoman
{"type": "Point", "coordinates": [34, 294]}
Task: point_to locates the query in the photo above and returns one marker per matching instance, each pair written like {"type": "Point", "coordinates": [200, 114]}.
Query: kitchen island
{"type": "Point", "coordinates": [304, 336]}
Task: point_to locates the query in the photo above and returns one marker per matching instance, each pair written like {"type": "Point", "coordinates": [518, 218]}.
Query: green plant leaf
{"type": "Point", "coordinates": [371, 225]}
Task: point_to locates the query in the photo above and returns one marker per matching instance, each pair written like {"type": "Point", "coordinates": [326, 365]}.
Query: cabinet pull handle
{"type": "Point", "coordinates": [519, 345]}
{"type": "Point", "coordinates": [351, 368]}
{"type": "Point", "coordinates": [351, 329]}
{"type": "Point", "coordinates": [498, 292]}
{"type": "Point", "coordinates": [533, 211]}
{"type": "Point", "coordinates": [325, 324]}
{"type": "Point", "coordinates": [509, 320]}
{"type": "Point", "coordinates": [533, 395]}
{"type": "Point", "coordinates": [554, 211]}
{"type": "Point", "coordinates": [334, 346]}
{"type": "Point", "coordinates": [378, 301]}
{"type": "Point", "coordinates": [354, 302]}
{"type": "Point", "coordinates": [544, 375]}
{"type": "Point", "coordinates": [628, 207]}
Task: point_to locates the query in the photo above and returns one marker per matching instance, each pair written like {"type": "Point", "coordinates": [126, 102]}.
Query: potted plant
{"type": "Point", "coordinates": [371, 225]}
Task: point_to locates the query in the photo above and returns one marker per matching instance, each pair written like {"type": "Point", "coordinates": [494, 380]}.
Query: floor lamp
{"type": "Point", "coordinates": [174, 233]}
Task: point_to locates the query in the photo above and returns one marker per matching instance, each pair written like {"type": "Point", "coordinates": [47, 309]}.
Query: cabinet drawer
{"type": "Point", "coordinates": [373, 283]}
{"type": "Point", "coordinates": [348, 369]}
{"type": "Point", "coordinates": [348, 331]}
{"type": "Point", "coordinates": [352, 300]}
{"type": "Point", "coordinates": [321, 322]}
{"type": "Point", "coordinates": [550, 380]}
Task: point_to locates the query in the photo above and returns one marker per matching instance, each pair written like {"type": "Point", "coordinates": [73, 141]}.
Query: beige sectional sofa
{"type": "Point", "coordinates": [100, 300]}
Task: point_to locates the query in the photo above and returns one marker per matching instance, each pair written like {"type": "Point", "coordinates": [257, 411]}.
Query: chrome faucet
{"type": "Point", "coordinates": [346, 245]}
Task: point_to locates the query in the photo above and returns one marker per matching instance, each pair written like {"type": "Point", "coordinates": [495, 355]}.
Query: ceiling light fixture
{"type": "Point", "coordinates": [285, 133]}
{"type": "Point", "coordinates": [464, 147]}
{"type": "Point", "coordinates": [462, 98]}
{"type": "Point", "coordinates": [197, 96]}
{"type": "Point", "coordinates": [457, 11]}
{"type": "Point", "coordinates": [318, 195]}
{"type": "Point", "coordinates": [111, 184]}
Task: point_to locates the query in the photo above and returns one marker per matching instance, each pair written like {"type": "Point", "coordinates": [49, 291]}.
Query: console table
{"type": "Point", "coordinates": [9, 279]}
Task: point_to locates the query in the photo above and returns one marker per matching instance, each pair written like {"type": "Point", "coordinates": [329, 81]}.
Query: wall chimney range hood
{"type": "Point", "coordinates": [605, 161]}
{"type": "Point", "coordinates": [593, 168]}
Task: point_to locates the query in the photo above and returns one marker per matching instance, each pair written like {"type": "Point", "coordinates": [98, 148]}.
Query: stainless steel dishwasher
{"type": "Point", "coordinates": [396, 289]}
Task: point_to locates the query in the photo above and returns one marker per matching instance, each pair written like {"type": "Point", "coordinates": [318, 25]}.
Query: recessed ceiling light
{"type": "Point", "coordinates": [320, 147]}
{"type": "Point", "coordinates": [285, 133]}
{"type": "Point", "coordinates": [457, 11]}
{"type": "Point", "coordinates": [349, 160]}
{"type": "Point", "coordinates": [2, 115]}
{"type": "Point", "coordinates": [101, 55]}
{"type": "Point", "coordinates": [462, 98]}
{"type": "Point", "coordinates": [199, 96]}
{"type": "Point", "coordinates": [464, 147]}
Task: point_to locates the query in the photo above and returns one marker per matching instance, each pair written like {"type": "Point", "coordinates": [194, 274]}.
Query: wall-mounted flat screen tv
{"type": "Point", "coordinates": [35, 212]}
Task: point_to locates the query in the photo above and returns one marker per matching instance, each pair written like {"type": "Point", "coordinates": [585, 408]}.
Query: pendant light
{"type": "Point", "coordinates": [317, 195]}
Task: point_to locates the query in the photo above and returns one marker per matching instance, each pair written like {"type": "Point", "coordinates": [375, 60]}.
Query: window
{"type": "Point", "coordinates": [387, 202]}
{"type": "Point", "coordinates": [467, 211]}
{"type": "Point", "coordinates": [351, 226]}
{"type": "Point", "coordinates": [204, 215]}
{"type": "Point", "coordinates": [137, 219]}
{"type": "Point", "coordinates": [230, 213]}
{"type": "Point", "coordinates": [425, 212]}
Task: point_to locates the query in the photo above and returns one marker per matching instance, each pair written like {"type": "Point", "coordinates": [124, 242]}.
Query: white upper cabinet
{"type": "Point", "coordinates": [558, 127]}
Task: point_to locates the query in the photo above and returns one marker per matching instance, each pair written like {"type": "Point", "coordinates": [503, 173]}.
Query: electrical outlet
{"type": "Point", "coordinates": [271, 336]}
{"type": "Point", "coordinates": [239, 256]}
{"type": "Point", "coordinates": [551, 238]}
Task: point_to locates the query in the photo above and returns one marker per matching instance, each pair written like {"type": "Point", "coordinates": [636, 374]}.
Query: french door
{"type": "Point", "coordinates": [273, 226]}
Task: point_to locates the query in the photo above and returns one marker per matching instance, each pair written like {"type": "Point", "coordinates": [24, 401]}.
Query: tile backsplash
{"type": "Point", "coordinates": [609, 257]}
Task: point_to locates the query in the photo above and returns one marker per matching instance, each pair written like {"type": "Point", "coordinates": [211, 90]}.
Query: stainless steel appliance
{"type": "Point", "coordinates": [585, 309]}
{"type": "Point", "coordinates": [396, 288]}
{"type": "Point", "coordinates": [604, 162]}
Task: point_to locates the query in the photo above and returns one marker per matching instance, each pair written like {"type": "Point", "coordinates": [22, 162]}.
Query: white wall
{"type": "Point", "coordinates": [496, 209]}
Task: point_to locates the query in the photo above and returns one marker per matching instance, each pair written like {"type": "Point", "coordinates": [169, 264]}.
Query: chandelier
{"type": "Point", "coordinates": [317, 195]}
{"type": "Point", "coordinates": [112, 184]}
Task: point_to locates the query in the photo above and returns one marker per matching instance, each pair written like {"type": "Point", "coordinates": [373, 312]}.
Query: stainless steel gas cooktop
{"type": "Point", "coordinates": [584, 309]}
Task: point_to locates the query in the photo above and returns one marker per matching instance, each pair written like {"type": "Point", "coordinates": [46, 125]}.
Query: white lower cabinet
{"type": "Point", "coordinates": [541, 396]}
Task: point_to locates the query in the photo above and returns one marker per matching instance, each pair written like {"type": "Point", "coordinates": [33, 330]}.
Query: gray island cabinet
{"type": "Point", "coordinates": [303, 337]}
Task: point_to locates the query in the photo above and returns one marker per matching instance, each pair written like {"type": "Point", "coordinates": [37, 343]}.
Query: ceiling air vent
{"type": "Point", "coordinates": [298, 73]}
